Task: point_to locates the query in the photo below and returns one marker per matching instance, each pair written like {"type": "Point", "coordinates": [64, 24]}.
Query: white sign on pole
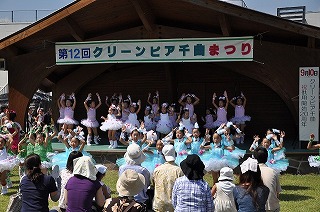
{"type": "Point", "coordinates": [308, 103]}
{"type": "Point", "coordinates": [155, 50]}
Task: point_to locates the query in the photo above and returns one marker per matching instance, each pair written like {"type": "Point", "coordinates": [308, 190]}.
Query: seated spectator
{"type": "Point", "coordinates": [83, 186]}
{"type": "Point", "coordinates": [251, 194]}
{"type": "Point", "coordinates": [134, 157]}
{"type": "Point", "coordinates": [128, 185]}
{"type": "Point", "coordinates": [36, 187]}
{"type": "Point", "coordinates": [100, 174]}
{"type": "Point", "coordinates": [191, 192]}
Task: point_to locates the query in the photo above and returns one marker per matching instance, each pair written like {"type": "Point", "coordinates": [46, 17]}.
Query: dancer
{"type": "Point", "coordinates": [91, 122]}
{"type": "Point", "coordinates": [14, 129]}
{"type": "Point", "coordinates": [7, 162]}
{"type": "Point", "coordinates": [186, 120]}
{"type": "Point", "coordinates": [132, 121]}
{"type": "Point", "coordinates": [239, 115]}
{"type": "Point", "coordinates": [155, 104]}
{"type": "Point", "coordinates": [111, 124]}
{"type": "Point", "coordinates": [61, 105]}
{"type": "Point", "coordinates": [153, 158]}
{"type": "Point", "coordinates": [221, 108]}
{"type": "Point", "coordinates": [188, 103]}
{"type": "Point", "coordinates": [69, 107]}
{"type": "Point", "coordinates": [173, 115]}
{"type": "Point", "coordinates": [314, 161]}
{"type": "Point", "coordinates": [148, 119]}
{"type": "Point", "coordinates": [209, 118]}
{"type": "Point", "coordinates": [164, 124]}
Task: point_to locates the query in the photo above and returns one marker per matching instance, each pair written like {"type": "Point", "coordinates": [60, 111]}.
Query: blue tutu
{"type": "Point", "coordinates": [181, 150]}
{"type": "Point", "coordinates": [61, 159]}
{"type": "Point", "coordinates": [236, 153]}
{"type": "Point", "coordinates": [217, 159]}
{"type": "Point", "coordinates": [278, 165]}
{"type": "Point", "coordinates": [153, 160]}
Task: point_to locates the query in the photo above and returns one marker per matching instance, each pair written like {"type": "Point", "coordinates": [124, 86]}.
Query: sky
{"type": "Point", "coordinates": [266, 6]}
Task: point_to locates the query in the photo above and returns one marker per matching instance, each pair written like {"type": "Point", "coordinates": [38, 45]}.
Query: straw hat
{"type": "Point", "coordinates": [130, 183]}
{"type": "Point", "coordinates": [134, 155]}
{"type": "Point", "coordinates": [84, 166]}
{"type": "Point", "coordinates": [226, 173]}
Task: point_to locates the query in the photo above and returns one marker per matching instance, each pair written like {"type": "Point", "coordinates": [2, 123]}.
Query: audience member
{"type": "Point", "coordinates": [191, 192]}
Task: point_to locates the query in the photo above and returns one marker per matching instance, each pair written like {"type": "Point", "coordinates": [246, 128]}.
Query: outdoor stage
{"type": "Point", "coordinates": [298, 158]}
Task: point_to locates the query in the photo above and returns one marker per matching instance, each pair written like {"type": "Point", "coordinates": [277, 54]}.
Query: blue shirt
{"type": "Point", "coordinates": [35, 195]}
{"type": "Point", "coordinates": [191, 195]}
{"type": "Point", "coordinates": [142, 196]}
{"type": "Point", "coordinates": [244, 201]}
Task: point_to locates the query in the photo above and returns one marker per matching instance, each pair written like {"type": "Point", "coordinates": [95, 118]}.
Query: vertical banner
{"type": "Point", "coordinates": [308, 103]}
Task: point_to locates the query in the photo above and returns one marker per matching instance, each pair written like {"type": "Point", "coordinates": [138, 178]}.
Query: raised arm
{"type": "Point", "coordinates": [227, 100]}
{"type": "Point", "coordinates": [122, 137]}
{"type": "Point", "coordinates": [62, 102]}
{"type": "Point", "coordinates": [86, 101]}
{"type": "Point", "coordinates": [139, 106]}
{"type": "Point", "coordinates": [74, 101]}
{"type": "Point", "coordinates": [83, 143]}
{"type": "Point", "coordinates": [197, 100]}
{"type": "Point", "coordinates": [244, 100]}
{"type": "Point", "coordinates": [232, 103]}
{"type": "Point", "coordinates": [181, 102]}
{"type": "Point", "coordinates": [310, 145]}
{"type": "Point", "coordinates": [213, 100]}
{"type": "Point", "coordinates": [148, 100]}
{"type": "Point", "coordinates": [99, 99]}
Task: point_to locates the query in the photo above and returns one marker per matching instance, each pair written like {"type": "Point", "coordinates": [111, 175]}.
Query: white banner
{"type": "Point", "coordinates": [159, 50]}
{"type": "Point", "coordinates": [308, 103]}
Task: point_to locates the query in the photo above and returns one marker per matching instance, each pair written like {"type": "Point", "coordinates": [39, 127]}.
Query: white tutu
{"type": "Point", "coordinates": [163, 127]}
{"type": "Point", "coordinates": [90, 123]}
{"type": "Point", "coordinates": [67, 120]}
{"type": "Point", "coordinates": [240, 120]}
{"type": "Point", "coordinates": [314, 161]}
{"type": "Point", "coordinates": [9, 163]}
{"type": "Point", "coordinates": [112, 124]}
{"type": "Point", "coordinates": [215, 165]}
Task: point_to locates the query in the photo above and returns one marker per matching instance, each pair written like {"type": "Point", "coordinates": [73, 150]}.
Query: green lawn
{"type": "Point", "coordinates": [299, 192]}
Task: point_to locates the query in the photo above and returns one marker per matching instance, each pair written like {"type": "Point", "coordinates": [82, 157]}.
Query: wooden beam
{"type": "Point", "coordinates": [311, 42]}
{"type": "Point", "coordinates": [145, 14]}
{"type": "Point", "coordinates": [46, 22]}
{"type": "Point", "coordinates": [74, 29]}
{"type": "Point", "coordinates": [258, 17]}
{"type": "Point", "coordinates": [225, 25]}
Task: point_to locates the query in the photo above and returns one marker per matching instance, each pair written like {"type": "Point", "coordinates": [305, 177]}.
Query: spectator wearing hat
{"type": "Point", "coordinates": [102, 170]}
{"type": "Point", "coordinates": [164, 177]}
{"type": "Point", "coordinates": [83, 186]}
{"type": "Point", "coordinates": [134, 157]}
{"type": "Point", "coordinates": [222, 192]}
{"type": "Point", "coordinates": [251, 194]}
{"type": "Point", "coordinates": [270, 179]}
{"type": "Point", "coordinates": [191, 192]}
{"type": "Point", "coordinates": [129, 184]}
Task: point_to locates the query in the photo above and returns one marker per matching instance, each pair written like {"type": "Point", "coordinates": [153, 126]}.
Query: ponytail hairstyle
{"type": "Point", "coordinates": [33, 164]}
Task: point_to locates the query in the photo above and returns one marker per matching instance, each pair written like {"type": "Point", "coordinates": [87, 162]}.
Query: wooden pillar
{"type": "Point", "coordinates": [18, 102]}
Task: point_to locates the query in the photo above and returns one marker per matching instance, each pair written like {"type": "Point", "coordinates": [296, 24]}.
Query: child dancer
{"type": "Point", "coordinates": [77, 143]}
{"type": "Point", "coordinates": [222, 192]}
{"type": "Point", "coordinates": [61, 105]}
{"type": "Point", "coordinates": [188, 103]}
{"type": "Point", "coordinates": [40, 116]}
{"type": "Point", "coordinates": [197, 141]}
{"type": "Point", "coordinates": [111, 124]}
{"type": "Point", "coordinates": [228, 140]}
{"type": "Point", "coordinates": [7, 163]}
{"type": "Point", "coordinates": [125, 111]}
{"type": "Point", "coordinates": [209, 119]}
{"type": "Point", "coordinates": [14, 129]}
{"type": "Point", "coordinates": [186, 120]}
{"type": "Point", "coordinates": [239, 117]}
{"type": "Point", "coordinates": [314, 161]}
{"type": "Point", "coordinates": [221, 109]}
{"type": "Point", "coordinates": [153, 158]}
{"type": "Point", "coordinates": [148, 118]}
{"type": "Point", "coordinates": [164, 124]}
{"type": "Point", "coordinates": [132, 121]}
{"type": "Point", "coordinates": [173, 115]}
{"type": "Point", "coordinates": [91, 122]}
{"type": "Point", "coordinates": [68, 119]}
{"type": "Point", "coordinates": [217, 158]}
{"type": "Point", "coordinates": [180, 145]}
{"type": "Point", "coordinates": [155, 102]}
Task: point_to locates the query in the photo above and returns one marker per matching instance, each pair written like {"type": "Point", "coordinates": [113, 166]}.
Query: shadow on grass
{"type": "Point", "coordinates": [294, 197]}
{"type": "Point", "coordinates": [295, 188]}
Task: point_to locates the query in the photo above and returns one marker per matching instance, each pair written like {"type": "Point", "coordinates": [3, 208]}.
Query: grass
{"type": "Point", "coordinates": [299, 192]}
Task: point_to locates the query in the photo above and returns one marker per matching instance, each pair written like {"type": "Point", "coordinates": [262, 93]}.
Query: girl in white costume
{"type": "Point", "coordinates": [188, 103]}
{"type": "Point", "coordinates": [164, 125]}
